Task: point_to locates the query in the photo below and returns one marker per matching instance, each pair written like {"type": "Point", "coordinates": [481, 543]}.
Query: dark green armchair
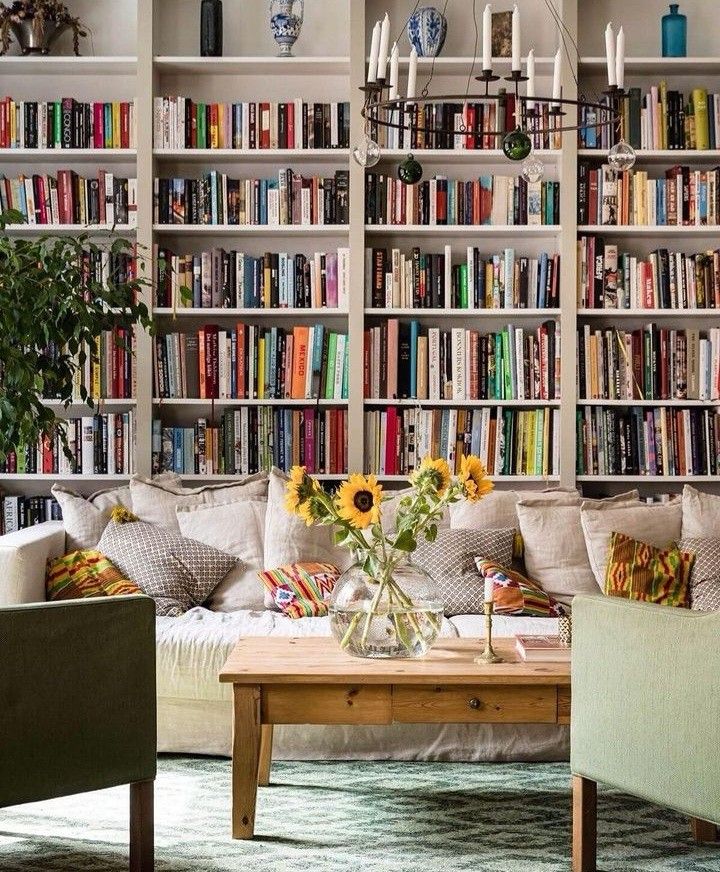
{"type": "Point", "coordinates": [77, 705]}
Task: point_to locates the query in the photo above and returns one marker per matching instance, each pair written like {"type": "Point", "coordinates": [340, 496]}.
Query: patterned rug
{"type": "Point", "coordinates": [338, 817]}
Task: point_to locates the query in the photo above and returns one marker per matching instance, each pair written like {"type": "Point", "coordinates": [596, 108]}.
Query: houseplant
{"type": "Point", "coordinates": [384, 606]}
{"type": "Point", "coordinates": [36, 24]}
{"type": "Point", "coordinates": [49, 313]}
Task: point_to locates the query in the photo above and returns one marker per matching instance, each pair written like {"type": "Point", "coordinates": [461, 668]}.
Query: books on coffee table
{"type": "Point", "coordinates": [541, 648]}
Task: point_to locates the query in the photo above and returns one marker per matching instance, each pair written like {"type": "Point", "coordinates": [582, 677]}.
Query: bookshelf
{"type": "Point", "coordinates": [144, 49]}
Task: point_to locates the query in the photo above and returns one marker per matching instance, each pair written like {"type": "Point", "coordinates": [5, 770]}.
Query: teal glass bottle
{"type": "Point", "coordinates": [674, 33]}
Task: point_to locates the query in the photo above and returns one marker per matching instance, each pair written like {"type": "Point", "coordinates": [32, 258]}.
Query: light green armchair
{"type": "Point", "coordinates": [645, 712]}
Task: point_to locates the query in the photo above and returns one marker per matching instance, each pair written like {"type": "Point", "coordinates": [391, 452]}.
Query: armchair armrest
{"type": "Point", "coordinates": [23, 555]}
{"type": "Point", "coordinates": [645, 691]}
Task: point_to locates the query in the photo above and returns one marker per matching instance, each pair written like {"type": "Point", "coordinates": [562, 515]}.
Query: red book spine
{"type": "Point", "coordinates": [391, 441]}
{"type": "Point", "coordinates": [4, 109]}
{"type": "Point", "coordinates": [202, 363]}
{"type": "Point", "coordinates": [40, 199]}
{"type": "Point", "coordinates": [290, 115]}
{"type": "Point", "coordinates": [98, 125]}
{"type": "Point", "coordinates": [241, 365]}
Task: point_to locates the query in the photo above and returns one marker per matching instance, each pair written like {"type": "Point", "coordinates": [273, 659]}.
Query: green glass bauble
{"type": "Point", "coordinates": [516, 145]}
{"type": "Point", "coordinates": [410, 171]}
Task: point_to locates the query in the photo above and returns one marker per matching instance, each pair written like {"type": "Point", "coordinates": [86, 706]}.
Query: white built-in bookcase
{"type": "Point", "coordinates": [148, 48]}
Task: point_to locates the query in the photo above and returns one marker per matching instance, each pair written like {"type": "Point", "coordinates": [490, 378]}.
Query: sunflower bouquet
{"type": "Point", "coordinates": [384, 606]}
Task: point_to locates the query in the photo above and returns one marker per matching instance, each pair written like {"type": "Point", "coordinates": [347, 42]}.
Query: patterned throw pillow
{"type": "Point", "coordinates": [638, 571]}
{"type": "Point", "coordinates": [514, 594]}
{"type": "Point", "coordinates": [84, 574]}
{"type": "Point", "coordinates": [177, 573]}
{"type": "Point", "coordinates": [705, 572]}
{"type": "Point", "coordinates": [301, 590]}
{"type": "Point", "coordinates": [450, 560]}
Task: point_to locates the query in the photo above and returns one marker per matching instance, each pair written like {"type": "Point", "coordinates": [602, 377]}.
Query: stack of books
{"type": "Point", "coordinates": [20, 512]}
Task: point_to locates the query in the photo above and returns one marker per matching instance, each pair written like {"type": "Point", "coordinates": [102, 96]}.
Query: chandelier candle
{"type": "Point", "coordinates": [383, 50]}
{"type": "Point", "coordinates": [394, 61]}
{"type": "Point", "coordinates": [556, 91]}
{"type": "Point", "coordinates": [620, 60]}
{"type": "Point", "coordinates": [374, 51]}
{"type": "Point", "coordinates": [531, 79]}
{"type": "Point", "coordinates": [412, 75]}
{"type": "Point", "coordinates": [487, 38]}
{"type": "Point", "coordinates": [610, 55]}
{"type": "Point", "coordinates": [516, 39]}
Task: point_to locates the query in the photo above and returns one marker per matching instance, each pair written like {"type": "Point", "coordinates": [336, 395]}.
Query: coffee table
{"type": "Point", "coordinates": [311, 681]}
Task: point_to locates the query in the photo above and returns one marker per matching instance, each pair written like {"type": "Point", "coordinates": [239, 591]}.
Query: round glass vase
{"type": "Point", "coordinates": [397, 615]}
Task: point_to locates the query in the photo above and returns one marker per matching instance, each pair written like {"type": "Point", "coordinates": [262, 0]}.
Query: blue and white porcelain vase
{"type": "Point", "coordinates": [285, 24]}
{"type": "Point", "coordinates": [427, 29]}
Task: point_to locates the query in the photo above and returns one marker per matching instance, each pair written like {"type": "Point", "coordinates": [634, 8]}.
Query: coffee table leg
{"type": "Point", "coordinates": [266, 740]}
{"type": "Point", "coordinates": [246, 759]}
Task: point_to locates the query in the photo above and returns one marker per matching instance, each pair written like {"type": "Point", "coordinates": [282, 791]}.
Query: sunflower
{"type": "Point", "coordinates": [358, 500]}
{"type": "Point", "coordinates": [436, 471]}
{"type": "Point", "coordinates": [300, 488]}
{"type": "Point", "coordinates": [474, 478]}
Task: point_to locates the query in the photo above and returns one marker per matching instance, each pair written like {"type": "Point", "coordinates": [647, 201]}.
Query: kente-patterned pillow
{"type": "Point", "coordinates": [639, 571]}
{"type": "Point", "coordinates": [83, 574]}
{"type": "Point", "coordinates": [515, 594]}
{"type": "Point", "coordinates": [301, 590]}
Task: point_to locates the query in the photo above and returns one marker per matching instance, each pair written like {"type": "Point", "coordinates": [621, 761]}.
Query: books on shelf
{"type": "Point", "coordinates": [648, 441]}
{"type": "Point", "coordinates": [538, 648]}
{"type": "Point", "coordinates": [68, 198]}
{"type": "Point", "coordinates": [287, 199]}
{"type": "Point", "coordinates": [425, 280]}
{"type": "Point", "coordinates": [66, 123]}
{"type": "Point", "coordinates": [98, 445]}
{"type": "Point", "coordinates": [180, 122]}
{"type": "Point", "coordinates": [409, 360]}
{"type": "Point", "coordinates": [19, 512]}
{"type": "Point", "coordinates": [233, 279]}
{"type": "Point", "coordinates": [683, 197]}
{"type": "Point", "coordinates": [254, 439]}
{"type": "Point", "coordinates": [608, 279]}
{"type": "Point", "coordinates": [649, 364]}
{"type": "Point", "coordinates": [108, 371]}
{"type": "Point", "coordinates": [508, 441]}
{"type": "Point", "coordinates": [497, 200]}
{"type": "Point", "coordinates": [251, 362]}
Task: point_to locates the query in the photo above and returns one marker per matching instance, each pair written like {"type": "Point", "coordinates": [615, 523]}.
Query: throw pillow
{"type": "Point", "coordinates": [177, 573]}
{"type": "Point", "coordinates": [390, 508]}
{"type": "Point", "coordinates": [84, 574]}
{"type": "Point", "coordinates": [498, 508]}
{"type": "Point", "coordinates": [639, 571]}
{"type": "Point", "coordinates": [301, 590]}
{"type": "Point", "coordinates": [238, 529]}
{"type": "Point", "coordinates": [700, 514]}
{"type": "Point", "coordinates": [450, 559]}
{"type": "Point", "coordinates": [705, 572]}
{"type": "Point", "coordinates": [654, 523]}
{"type": "Point", "coordinates": [515, 594]}
{"type": "Point", "coordinates": [85, 518]}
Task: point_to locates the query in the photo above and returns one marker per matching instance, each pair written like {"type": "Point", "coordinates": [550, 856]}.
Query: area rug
{"type": "Point", "coordinates": [335, 817]}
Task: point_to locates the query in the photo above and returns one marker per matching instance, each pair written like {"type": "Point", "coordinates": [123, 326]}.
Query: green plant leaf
{"type": "Point", "coordinates": [405, 541]}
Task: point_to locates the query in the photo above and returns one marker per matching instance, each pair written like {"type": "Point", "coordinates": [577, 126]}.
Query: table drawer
{"type": "Point", "coordinates": [487, 704]}
{"type": "Point", "coordinates": [318, 704]}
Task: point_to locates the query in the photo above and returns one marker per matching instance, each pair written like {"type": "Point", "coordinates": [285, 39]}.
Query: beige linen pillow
{"type": "Point", "coordinates": [390, 508]}
{"type": "Point", "coordinates": [700, 514]}
{"type": "Point", "coordinates": [85, 518]}
{"type": "Point", "coordinates": [498, 508]}
{"type": "Point", "coordinates": [654, 523]}
{"type": "Point", "coordinates": [236, 528]}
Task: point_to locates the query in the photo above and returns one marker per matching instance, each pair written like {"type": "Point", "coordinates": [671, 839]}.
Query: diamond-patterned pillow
{"type": "Point", "coordinates": [705, 573]}
{"type": "Point", "coordinates": [177, 573]}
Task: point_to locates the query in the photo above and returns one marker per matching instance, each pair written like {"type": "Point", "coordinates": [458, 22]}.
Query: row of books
{"type": "Point", "coordinates": [473, 123]}
{"type": "Point", "coordinates": [20, 512]}
{"type": "Point", "coordinates": [662, 280]}
{"type": "Point", "coordinates": [683, 197]}
{"type": "Point", "coordinates": [408, 361]}
{"type": "Point", "coordinates": [105, 372]}
{"type": "Point", "coordinates": [486, 200]}
{"type": "Point", "coordinates": [98, 445]}
{"type": "Point", "coordinates": [425, 280]}
{"type": "Point", "coordinates": [181, 123]}
{"type": "Point", "coordinates": [251, 362]}
{"type": "Point", "coordinates": [649, 364]}
{"type": "Point", "coordinates": [233, 279]}
{"type": "Point", "coordinates": [288, 199]}
{"type": "Point", "coordinates": [66, 123]}
{"type": "Point", "coordinates": [508, 441]}
{"type": "Point", "coordinates": [661, 118]}
{"type": "Point", "coordinates": [71, 199]}
{"type": "Point", "coordinates": [253, 439]}
{"type": "Point", "coordinates": [642, 441]}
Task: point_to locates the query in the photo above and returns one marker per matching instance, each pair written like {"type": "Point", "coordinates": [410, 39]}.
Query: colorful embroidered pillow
{"type": "Point", "coordinates": [514, 594]}
{"type": "Point", "coordinates": [301, 590]}
{"type": "Point", "coordinates": [84, 574]}
{"type": "Point", "coordinates": [638, 571]}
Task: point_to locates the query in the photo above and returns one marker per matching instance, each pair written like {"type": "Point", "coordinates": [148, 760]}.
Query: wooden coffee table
{"type": "Point", "coordinates": [311, 681]}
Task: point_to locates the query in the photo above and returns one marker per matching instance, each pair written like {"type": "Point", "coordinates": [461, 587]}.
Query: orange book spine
{"type": "Point", "coordinates": [299, 375]}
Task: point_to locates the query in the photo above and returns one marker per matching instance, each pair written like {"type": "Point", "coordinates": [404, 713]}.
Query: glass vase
{"type": "Point", "coordinates": [674, 33]}
{"type": "Point", "coordinates": [398, 614]}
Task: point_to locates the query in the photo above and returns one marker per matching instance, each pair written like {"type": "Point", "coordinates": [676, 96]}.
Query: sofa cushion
{"type": "Point", "coordinates": [237, 528]}
{"type": "Point", "coordinates": [85, 518]}
{"type": "Point", "coordinates": [83, 574]}
{"type": "Point", "coordinates": [700, 514]}
{"type": "Point", "coordinates": [301, 590]}
{"type": "Point", "coordinates": [176, 572]}
{"type": "Point", "coordinates": [498, 508]}
{"type": "Point", "coordinates": [639, 571]}
{"type": "Point", "coordinates": [705, 572]}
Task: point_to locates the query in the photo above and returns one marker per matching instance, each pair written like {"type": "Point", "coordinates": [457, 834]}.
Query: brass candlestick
{"type": "Point", "coordinates": [488, 655]}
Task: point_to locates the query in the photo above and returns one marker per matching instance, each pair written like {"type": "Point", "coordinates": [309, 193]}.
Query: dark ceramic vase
{"type": "Point", "coordinates": [211, 29]}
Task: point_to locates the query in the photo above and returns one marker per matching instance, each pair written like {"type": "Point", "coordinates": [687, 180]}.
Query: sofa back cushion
{"type": "Point", "coordinates": [499, 508]}
{"type": "Point", "coordinates": [85, 518]}
{"type": "Point", "coordinates": [700, 514]}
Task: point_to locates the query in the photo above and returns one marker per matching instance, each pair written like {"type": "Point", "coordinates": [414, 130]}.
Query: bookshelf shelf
{"type": "Point", "coordinates": [499, 479]}
{"type": "Point", "coordinates": [465, 314]}
{"type": "Point", "coordinates": [195, 477]}
{"type": "Point", "coordinates": [649, 479]}
{"type": "Point", "coordinates": [489, 230]}
{"type": "Point", "coordinates": [89, 410]}
{"type": "Point", "coordinates": [648, 313]}
{"type": "Point", "coordinates": [659, 155]}
{"type": "Point", "coordinates": [649, 230]}
{"type": "Point", "coordinates": [99, 65]}
{"type": "Point", "coordinates": [44, 476]}
{"type": "Point", "coordinates": [254, 66]}
{"type": "Point", "coordinates": [63, 155]}
{"type": "Point", "coordinates": [681, 404]}
{"type": "Point", "coordinates": [255, 155]}
{"type": "Point", "coordinates": [159, 401]}
{"type": "Point", "coordinates": [462, 404]}
{"type": "Point", "coordinates": [69, 229]}
{"type": "Point", "coordinates": [656, 65]}
{"type": "Point", "coordinates": [252, 229]}
{"type": "Point", "coordinates": [251, 313]}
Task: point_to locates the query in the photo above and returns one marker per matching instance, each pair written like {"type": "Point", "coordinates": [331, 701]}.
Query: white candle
{"type": "Point", "coordinates": [384, 45]}
{"type": "Point", "coordinates": [556, 91]}
{"type": "Point", "coordinates": [412, 75]}
{"type": "Point", "coordinates": [516, 39]}
{"type": "Point", "coordinates": [394, 75]}
{"type": "Point", "coordinates": [620, 59]}
{"type": "Point", "coordinates": [531, 78]}
{"type": "Point", "coordinates": [374, 49]}
{"type": "Point", "coordinates": [487, 38]}
{"type": "Point", "coordinates": [489, 584]}
{"type": "Point", "coordinates": [610, 54]}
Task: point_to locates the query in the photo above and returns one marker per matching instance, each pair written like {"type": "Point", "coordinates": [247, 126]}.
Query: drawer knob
{"type": "Point", "coordinates": [474, 703]}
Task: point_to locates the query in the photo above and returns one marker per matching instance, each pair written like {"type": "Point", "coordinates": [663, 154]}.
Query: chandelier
{"type": "Point", "coordinates": [537, 116]}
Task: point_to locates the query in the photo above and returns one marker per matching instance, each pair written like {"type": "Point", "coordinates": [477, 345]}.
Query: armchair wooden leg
{"type": "Point", "coordinates": [584, 837]}
{"type": "Point", "coordinates": [703, 831]}
{"type": "Point", "coordinates": [142, 826]}
{"type": "Point", "coordinates": [266, 740]}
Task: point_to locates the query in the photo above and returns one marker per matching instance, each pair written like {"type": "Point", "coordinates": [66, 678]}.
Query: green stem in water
{"type": "Point", "coordinates": [350, 630]}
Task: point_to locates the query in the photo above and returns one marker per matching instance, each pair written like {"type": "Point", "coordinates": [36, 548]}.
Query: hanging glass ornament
{"type": "Point", "coordinates": [532, 169]}
{"type": "Point", "coordinates": [516, 145]}
{"type": "Point", "coordinates": [410, 171]}
{"type": "Point", "coordinates": [367, 154]}
{"type": "Point", "coordinates": [622, 156]}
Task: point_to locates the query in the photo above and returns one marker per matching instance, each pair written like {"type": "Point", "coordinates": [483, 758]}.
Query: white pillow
{"type": "Point", "coordinates": [498, 508]}
{"type": "Point", "coordinates": [390, 508]}
{"type": "Point", "coordinates": [657, 524]}
{"type": "Point", "coordinates": [237, 528]}
{"type": "Point", "coordinates": [700, 514]}
{"type": "Point", "coordinates": [85, 518]}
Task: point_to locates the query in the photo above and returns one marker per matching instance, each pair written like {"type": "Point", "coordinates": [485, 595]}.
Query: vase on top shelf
{"type": "Point", "coordinates": [426, 30]}
{"type": "Point", "coordinates": [674, 33]}
{"type": "Point", "coordinates": [211, 29]}
{"type": "Point", "coordinates": [285, 24]}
